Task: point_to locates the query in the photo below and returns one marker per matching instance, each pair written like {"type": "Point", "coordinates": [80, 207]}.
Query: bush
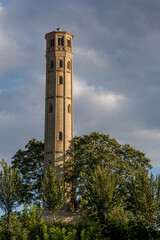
{"type": "Point", "coordinates": [26, 226]}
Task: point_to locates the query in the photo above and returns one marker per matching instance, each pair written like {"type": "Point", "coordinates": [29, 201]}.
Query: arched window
{"type": "Point", "coordinates": [60, 63]}
{"type": "Point", "coordinates": [50, 108]}
{"type": "Point", "coordinates": [69, 65]}
{"type": "Point", "coordinates": [60, 80]}
{"type": "Point", "coordinates": [60, 136]}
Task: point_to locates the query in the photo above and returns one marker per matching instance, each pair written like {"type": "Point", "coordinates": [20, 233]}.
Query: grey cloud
{"type": "Point", "coordinates": [116, 49]}
{"type": "Point", "coordinates": [21, 117]}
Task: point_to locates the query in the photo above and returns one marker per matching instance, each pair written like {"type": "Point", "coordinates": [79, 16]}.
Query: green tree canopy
{"type": "Point", "coordinates": [97, 149]}
{"type": "Point", "coordinates": [100, 193]}
{"type": "Point", "coordinates": [30, 163]}
{"type": "Point", "coordinates": [10, 188]}
{"type": "Point", "coordinates": [53, 191]}
{"type": "Point", "coordinates": [143, 197]}
{"type": "Point", "coordinates": [100, 171]}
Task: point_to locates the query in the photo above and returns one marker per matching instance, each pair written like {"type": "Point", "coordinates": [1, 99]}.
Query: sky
{"type": "Point", "coordinates": [116, 71]}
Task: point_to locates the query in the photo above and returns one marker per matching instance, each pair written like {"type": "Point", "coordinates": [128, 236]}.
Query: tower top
{"type": "Point", "coordinates": [58, 31]}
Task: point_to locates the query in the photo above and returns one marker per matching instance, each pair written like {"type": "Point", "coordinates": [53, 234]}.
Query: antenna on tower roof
{"type": "Point", "coordinates": [59, 29]}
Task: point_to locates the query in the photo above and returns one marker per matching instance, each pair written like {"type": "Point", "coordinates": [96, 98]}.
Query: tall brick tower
{"type": "Point", "coordinates": [59, 99]}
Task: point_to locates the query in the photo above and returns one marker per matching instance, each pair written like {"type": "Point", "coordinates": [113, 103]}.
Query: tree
{"type": "Point", "coordinates": [30, 163]}
{"type": "Point", "coordinates": [97, 149]}
{"type": "Point", "coordinates": [10, 187]}
{"type": "Point", "coordinates": [53, 191]}
{"type": "Point", "coordinates": [99, 194]}
{"type": "Point", "coordinates": [90, 151]}
{"type": "Point", "coordinates": [143, 197]}
{"type": "Point", "coordinates": [23, 225]}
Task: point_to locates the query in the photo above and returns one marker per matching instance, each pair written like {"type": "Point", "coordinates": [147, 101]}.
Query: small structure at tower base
{"type": "Point", "coordinates": [61, 216]}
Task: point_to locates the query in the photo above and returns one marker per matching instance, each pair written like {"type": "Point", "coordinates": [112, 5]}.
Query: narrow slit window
{"type": "Point", "coordinates": [51, 64]}
{"type": "Point", "coordinates": [50, 108]}
{"type": "Point", "coordinates": [60, 136]}
{"type": "Point", "coordinates": [60, 80]}
{"type": "Point", "coordinates": [69, 108]}
{"type": "Point", "coordinates": [60, 63]}
{"type": "Point", "coordinates": [50, 42]}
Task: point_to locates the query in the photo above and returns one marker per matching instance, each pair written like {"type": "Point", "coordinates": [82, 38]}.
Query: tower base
{"type": "Point", "coordinates": [60, 216]}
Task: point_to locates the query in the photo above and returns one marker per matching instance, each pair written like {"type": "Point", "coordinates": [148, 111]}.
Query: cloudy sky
{"type": "Point", "coordinates": [116, 70]}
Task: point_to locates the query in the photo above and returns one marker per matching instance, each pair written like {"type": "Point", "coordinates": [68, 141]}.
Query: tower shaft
{"type": "Point", "coordinates": [59, 99]}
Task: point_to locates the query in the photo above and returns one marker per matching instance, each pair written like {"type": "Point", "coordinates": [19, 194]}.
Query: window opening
{"type": "Point", "coordinates": [50, 108]}
{"type": "Point", "coordinates": [60, 136]}
{"type": "Point", "coordinates": [60, 63]}
{"type": "Point", "coordinates": [68, 42]}
{"type": "Point", "coordinates": [61, 41]}
{"type": "Point", "coordinates": [60, 80]}
{"type": "Point", "coordinates": [51, 64]}
{"type": "Point", "coordinates": [69, 108]}
{"type": "Point", "coordinates": [51, 42]}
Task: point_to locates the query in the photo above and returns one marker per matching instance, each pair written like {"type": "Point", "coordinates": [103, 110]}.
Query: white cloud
{"type": "Point", "coordinates": [97, 96]}
{"type": "Point", "coordinates": [97, 110]}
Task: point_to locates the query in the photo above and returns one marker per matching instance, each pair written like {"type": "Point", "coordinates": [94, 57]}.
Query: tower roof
{"type": "Point", "coordinates": [59, 31]}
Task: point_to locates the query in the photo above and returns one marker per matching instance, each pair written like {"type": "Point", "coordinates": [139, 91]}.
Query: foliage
{"type": "Point", "coordinates": [89, 229]}
{"type": "Point", "coordinates": [21, 224]}
{"type": "Point", "coordinates": [30, 163]}
{"type": "Point", "coordinates": [17, 230]}
{"type": "Point", "coordinates": [100, 193]}
{"type": "Point", "coordinates": [144, 197]}
{"type": "Point", "coordinates": [53, 191]}
{"type": "Point", "coordinates": [30, 216]}
{"type": "Point", "coordinates": [95, 150]}
{"type": "Point", "coordinates": [10, 186]}
{"type": "Point", "coordinates": [111, 189]}
{"type": "Point", "coordinates": [27, 226]}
